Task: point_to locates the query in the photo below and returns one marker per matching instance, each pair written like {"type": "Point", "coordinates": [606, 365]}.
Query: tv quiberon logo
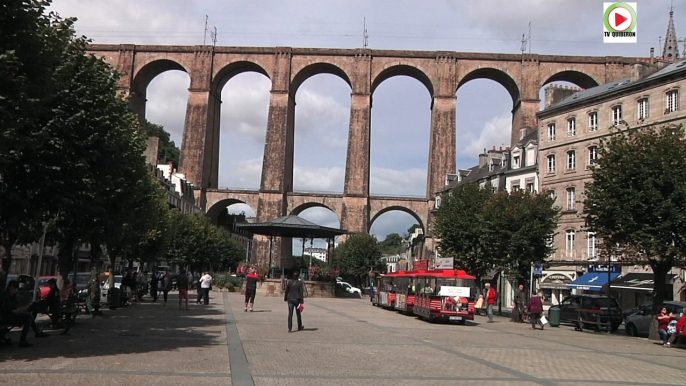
{"type": "Point", "coordinates": [619, 23]}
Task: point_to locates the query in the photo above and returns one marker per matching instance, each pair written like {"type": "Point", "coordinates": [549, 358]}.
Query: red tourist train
{"type": "Point", "coordinates": [439, 294]}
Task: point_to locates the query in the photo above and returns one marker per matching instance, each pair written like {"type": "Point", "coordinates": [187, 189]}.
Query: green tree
{"type": "Point", "coordinates": [461, 226]}
{"type": "Point", "coordinates": [518, 228]}
{"type": "Point", "coordinates": [32, 44]}
{"type": "Point", "coordinates": [391, 245]}
{"type": "Point", "coordinates": [411, 229]}
{"type": "Point", "coordinates": [636, 203]}
{"type": "Point", "coordinates": [167, 151]}
{"type": "Point", "coordinates": [358, 255]}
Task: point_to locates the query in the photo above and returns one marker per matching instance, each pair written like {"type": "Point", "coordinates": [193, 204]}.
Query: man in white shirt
{"type": "Point", "coordinates": [205, 285]}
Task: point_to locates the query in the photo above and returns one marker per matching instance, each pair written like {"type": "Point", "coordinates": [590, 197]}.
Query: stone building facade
{"type": "Point", "coordinates": [570, 132]}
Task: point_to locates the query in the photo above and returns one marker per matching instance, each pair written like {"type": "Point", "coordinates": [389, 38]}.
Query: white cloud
{"type": "Point", "coordinates": [407, 182]}
{"type": "Point", "coordinates": [316, 114]}
{"type": "Point", "coordinates": [242, 175]}
{"type": "Point", "coordinates": [242, 208]}
{"type": "Point", "coordinates": [496, 132]}
{"type": "Point", "coordinates": [167, 97]}
{"type": "Point", "coordinates": [314, 179]}
{"type": "Point", "coordinates": [245, 106]}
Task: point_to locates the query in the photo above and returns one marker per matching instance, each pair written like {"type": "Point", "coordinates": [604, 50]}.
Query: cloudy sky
{"type": "Point", "coordinates": [400, 116]}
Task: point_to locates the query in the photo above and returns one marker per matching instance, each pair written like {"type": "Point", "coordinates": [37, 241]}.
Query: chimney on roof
{"type": "Point", "coordinates": [652, 54]}
{"type": "Point", "coordinates": [483, 159]}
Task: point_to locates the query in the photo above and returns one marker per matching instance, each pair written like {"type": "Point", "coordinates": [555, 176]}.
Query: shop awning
{"type": "Point", "coordinates": [638, 281]}
{"type": "Point", "coordinates": [555, 281]}
{"type": "Point", "coordinates": [592, 281]}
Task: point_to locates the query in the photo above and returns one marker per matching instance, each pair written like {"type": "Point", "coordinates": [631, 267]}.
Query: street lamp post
{"type": "Point", "coordinates": [40, 260]}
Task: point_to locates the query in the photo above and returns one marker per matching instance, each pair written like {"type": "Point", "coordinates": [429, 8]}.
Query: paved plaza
{"type": "Point", "coordinates": [346, 342]}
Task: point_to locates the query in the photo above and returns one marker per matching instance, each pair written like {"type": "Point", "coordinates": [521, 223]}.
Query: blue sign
{"type": "Point", "coordinates": [603, 268]}
{"type": "Point", "coordinates": [538, 269]}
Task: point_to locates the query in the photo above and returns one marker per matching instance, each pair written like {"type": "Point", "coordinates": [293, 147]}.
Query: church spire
{"type": "Point", "coordinates": [671, 49]}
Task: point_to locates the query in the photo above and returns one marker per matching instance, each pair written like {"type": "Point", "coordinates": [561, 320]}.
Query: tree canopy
{"type": "Point", "coordinates": [194, 241]}
{"type": "Point", "coordinates": [483, 230]}
{"type": "Point", "coordinates": [636, 202]}
{"type": "Point", "coordinates": [167, 151]}
{"type": "Point", "coordinates": [357, 255]}
{"type": "Point", "coordinates": [391, 245]}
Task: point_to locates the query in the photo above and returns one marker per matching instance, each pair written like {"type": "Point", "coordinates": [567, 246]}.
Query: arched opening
{"type": "Point", "coordinates": [562, 85]}
{"type": "Point", "coordinates": [226, 211]}
{"type": "Point", "coordinates": [400, 132]}
{"type": "Point", "coordinates": [161, 90]}
{"type": "Point", "coordinates": [485, 101]}
{"type": "Point", "coordinates": [315, 248]}
{"type": "Point", "coordinates": [322, 118]}
{"type": "Point", "coordinates": [243, 125]}
{"type": "Point", "coordinates": [394, 228]}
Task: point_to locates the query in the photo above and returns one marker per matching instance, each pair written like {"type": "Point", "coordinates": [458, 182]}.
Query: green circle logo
{"type": "Point", "coordinates": [620, 17]}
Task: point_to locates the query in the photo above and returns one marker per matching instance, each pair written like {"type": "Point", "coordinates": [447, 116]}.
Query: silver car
{"type": "Point", "coordinates": [638, 324]}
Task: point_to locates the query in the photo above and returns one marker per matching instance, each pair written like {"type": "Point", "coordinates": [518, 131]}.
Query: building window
{"type": "Point", "coordinates": [571, 160]}
{"type": "Point", "coordinates": [530, 187]}
{"type": "Point", "coordinates": [571, 199]}
{"type": "Point", "coordinates": [437, 203]}
{"type": "Point", "coordinates": [592, 244]}
{"type": "Point", "coordinates": [570, 235]}
{"type": "Point", "coordinates": [515, 188]}
{"type": "Point", "coordinates": [592, 154]}
{"type": "Point", "coordinates": [593, 121]}
{"type": "Point", "coordinates": [642, 108]}
{"type": "Point", "coordinates": [551, 163]}
{"type": "Point", "coordinates": [551, 132]}
{"type": "Point", "coordinates": [672, 101]}
{"type": "Point", "coordinates": [515, 161]}
{"type": "Point", "coordinates": [571, 127]}
{"type": "Point", "coordinates": [617, 115]}
{"type": "Point", "coordinates": [552, 194]}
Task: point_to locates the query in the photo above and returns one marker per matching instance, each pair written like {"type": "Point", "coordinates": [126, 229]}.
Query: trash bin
{"type": "Point", "coordinates": [113, 297]}
{"type": "Point", "coordinates": [554, 316]}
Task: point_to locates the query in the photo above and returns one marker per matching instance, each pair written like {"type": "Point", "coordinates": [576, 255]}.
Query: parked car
{"type": "Point", "coordinates": [350, 289]}
{"type": "Point", "coordinates": [570, 306]}
{"type": "Point", "coordinates": [634, 310]}
{"type": "Point", "coordinates": [638, 324]}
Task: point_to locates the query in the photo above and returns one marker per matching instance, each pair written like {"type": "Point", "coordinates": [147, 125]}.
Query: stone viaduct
{"type": "Point", "coordinates": [442, 72]}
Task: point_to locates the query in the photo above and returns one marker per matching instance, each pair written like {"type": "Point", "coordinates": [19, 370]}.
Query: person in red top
{"type": "Point", "coordinates": [535, 308]}
{"type": "Point", "coordinates": [680, 327]}
{"type": "Point", "coordinates": [250, 288]}
{"type": "Point", "coordinates": [490, 295]}
{"type": "Point", "coordinates": [663, 319]}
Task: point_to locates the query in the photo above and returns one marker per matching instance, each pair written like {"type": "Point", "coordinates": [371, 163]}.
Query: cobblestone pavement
{"type": "Point", "coordinates": [346, 342]}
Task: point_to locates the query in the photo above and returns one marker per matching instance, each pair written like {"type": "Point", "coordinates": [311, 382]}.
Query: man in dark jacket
{"type": "Point", "coordinates": [295, 297]}
{"type": "Point", "coordinates": [11, 315]}
{"type": "Point", "coordinates": [250, 289]}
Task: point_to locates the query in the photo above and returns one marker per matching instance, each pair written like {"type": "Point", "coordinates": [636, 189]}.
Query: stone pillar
{"type": "Point", "coordinates": [277, 164]}
{"type": "Point", "coordinates": [442, 159]}
{"type": "Point", "coordinates": [355, 211]}
{"type": "Point", "coordinates": [524, 118]}
{"type": "Point", "coordinates": [199, 131]}
{"type": "Point", "coordinates": [524, 109]}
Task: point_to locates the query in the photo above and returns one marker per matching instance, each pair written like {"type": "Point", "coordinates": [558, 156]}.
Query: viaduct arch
{"type": "Point", "coordinates": [441, 72]}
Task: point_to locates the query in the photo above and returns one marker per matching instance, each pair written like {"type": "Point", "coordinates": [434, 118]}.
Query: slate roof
{"type": "Point", "coordinates": [616, 86]}
{"type": "Point", "coordinates": [477, 173]}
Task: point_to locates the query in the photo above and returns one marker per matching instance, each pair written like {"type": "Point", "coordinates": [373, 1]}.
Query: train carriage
{"type": "Point", "coordinates": [385, 295]}
{"type": "Point", "coordinates": [405, 291]}
{"type": "Point", "coordinates": [444, 295]}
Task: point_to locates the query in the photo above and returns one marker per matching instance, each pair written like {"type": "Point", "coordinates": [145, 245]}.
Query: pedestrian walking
{"type": "Point", "coordinates": [166, 286]}
{"type": "Point", "coordinates": [196, 280]}
{"type": "Point", "coordinates": [205, 286]}
{"type": "Point", "coordinates": [294, 296]}
{"type": "Point", "coordinates": [535, 309]}
{"type": "Point", "coordinates": [519, 304]}
{"type": "Point", "coordinates": [250, 288]}
{"type": "Point", "coordinates": [182, 282]}
{"type": "Point", "coordinates": [154, 282]}
{"type": "Point", "coordinates": [490, 295]}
